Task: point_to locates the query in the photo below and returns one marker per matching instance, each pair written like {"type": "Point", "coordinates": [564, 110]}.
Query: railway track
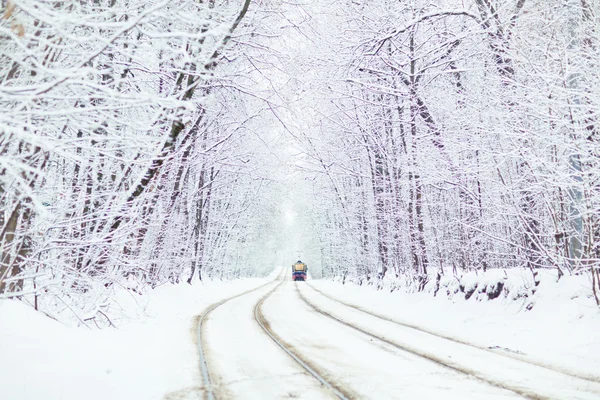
{"type": "Point", "coordinates": [314, 365]}
{"type": "Point", "coordinates": [312, 370]}
{"type": "Point", "coordinates": [210, 392]}
{"type": "Point", "coordinates": [515, 356]}
{"type": "Point", "coordinates": [386, 331]}
{"type": "Point", "coordinates": [592, 392]}
{"type": "Point", "coordinates": [206, 378]}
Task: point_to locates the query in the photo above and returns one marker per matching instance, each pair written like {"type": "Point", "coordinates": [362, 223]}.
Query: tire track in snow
{"type": "Point", "coordinates": [514, 356]}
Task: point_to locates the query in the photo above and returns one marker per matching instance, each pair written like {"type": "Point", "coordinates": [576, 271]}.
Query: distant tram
{"type": "Point", "coordinates": [299, 271]}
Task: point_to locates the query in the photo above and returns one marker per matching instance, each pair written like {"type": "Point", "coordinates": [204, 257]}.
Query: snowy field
{"type": "Point", "coordinates": [154, 356]}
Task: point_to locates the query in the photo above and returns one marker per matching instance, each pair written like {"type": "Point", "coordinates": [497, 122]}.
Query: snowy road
{"type": "Point", "coordinates": [360, 355]}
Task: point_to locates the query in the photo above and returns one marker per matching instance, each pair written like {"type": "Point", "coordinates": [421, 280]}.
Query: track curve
{"type": "Point", "coordinates": [589, 390]}
{"type": "Point", "coordinates": [587, 377]}
{"type": "Point", "coordinates": [206, 378]}
{"type": "Point", "coordinates": [263, 323]}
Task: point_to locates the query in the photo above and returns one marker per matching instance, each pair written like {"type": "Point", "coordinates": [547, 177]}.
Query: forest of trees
{"type": "Point", "coordinates": [125, 148]}
{"type": "Point", "coordinates": [469, 137]}
{"type": "Point", "coordinates": [145, 142]}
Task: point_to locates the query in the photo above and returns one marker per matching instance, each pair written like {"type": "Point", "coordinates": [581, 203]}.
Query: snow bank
{"type": "Point", "coordinates": [488, 285]}
{"type": "Point", "coordinates": [511, 284]}
{"type": "Point", "coordinates": [153, 356]}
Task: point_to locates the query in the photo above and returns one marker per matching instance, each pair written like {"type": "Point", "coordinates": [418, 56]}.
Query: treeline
{"type": "Point", "coordinates": [123, 149]}
{"type": "Point", "coordinates": [460, 136]}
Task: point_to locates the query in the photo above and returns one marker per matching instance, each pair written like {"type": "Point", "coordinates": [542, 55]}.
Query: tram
{"type": "Point", "coordinates": [299, 271]}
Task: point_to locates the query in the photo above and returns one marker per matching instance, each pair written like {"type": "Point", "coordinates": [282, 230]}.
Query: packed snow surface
{"type": "Point", "coordinates": [154, 356]}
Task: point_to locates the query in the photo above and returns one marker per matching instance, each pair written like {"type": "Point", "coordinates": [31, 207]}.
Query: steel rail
{"type": "Point", "coordinates": [438, 361]}
{"type": "Point", "coordinates": [591, 378]}
{"type": "Point", "coordinates": [208, 386]}
{"type": "Point", "coordinates": [263, 323]}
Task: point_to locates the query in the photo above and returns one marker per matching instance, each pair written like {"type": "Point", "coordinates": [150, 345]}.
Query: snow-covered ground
{"type": "Point", "coordinates": [155, 356]}
{"type": "Point", "coordinates": [560, 330]}
{"type": "Point", "coordinates": [246, 363]}
{"type": "Point", "coordinates": [362, 366]}
{"type": "Point", "coordinates": [496, 369]}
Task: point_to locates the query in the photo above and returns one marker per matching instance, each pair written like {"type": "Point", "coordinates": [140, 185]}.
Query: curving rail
{"type": "Point", "coordinates": [263, 323]}
{"type": "Point", "coordinates": [514, 356]}
{"type": "Point", "coordinates": [522, 391]}
{"type": "Point", "coordinates": [258, 315]}
{"type": "Point", "coordinates": [210, 393]}
{"type": "Point", "coordinates": [493, 380]}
